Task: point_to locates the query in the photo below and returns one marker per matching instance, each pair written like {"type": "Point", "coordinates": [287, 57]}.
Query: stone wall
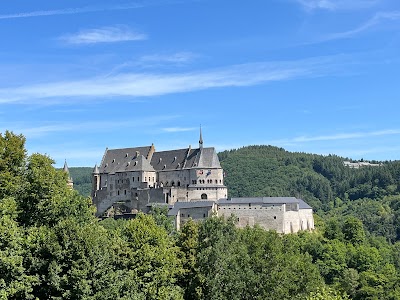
{"type": "Point", "coordinates": [267, 216]}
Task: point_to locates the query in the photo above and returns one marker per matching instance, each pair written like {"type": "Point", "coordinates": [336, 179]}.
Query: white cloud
{"type": "Point", "coordinates": [372, 22]}
{"type": "Point", "coordinates": [39, 130]}
{"type": "Point", "coordinates": [335, 137]}
{"type": "Point", "coordinates": [179, 129]}
{"type": "Point", "coordinates": [103, 35]}
{"type": "Point", "coordinates": [337, 4]}
{"type": "Point", "coordinates": [146, 84]}
{"type": "Point", "coordinates": [180, 57]}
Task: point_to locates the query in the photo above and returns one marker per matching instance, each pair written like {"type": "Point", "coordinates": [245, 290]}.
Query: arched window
{"type": "Point", "coordinates": [179, 183]}
{"type": "Point", "coordinates": [204, 196]}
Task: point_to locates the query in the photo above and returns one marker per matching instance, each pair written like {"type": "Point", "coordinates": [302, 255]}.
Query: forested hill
{"type": "Point", "coordinates": [82, 177]}
{"type": "Point", "coordinates": [272, 171]}
{"type": "Point", "coordinates": [370, 193]}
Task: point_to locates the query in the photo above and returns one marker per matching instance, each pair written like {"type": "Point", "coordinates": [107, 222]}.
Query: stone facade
{"type": "Point", "coordinates": [191, 183]}
{"type": "Point", "coordinates": [282, 214]}
{"type": "Point", "coordinates": [138, 176]}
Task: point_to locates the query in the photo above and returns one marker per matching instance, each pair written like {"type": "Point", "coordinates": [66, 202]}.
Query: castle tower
{"type": "Point", "coordinates": [70, 182]}
{"type": "Point", "coordinates": [96, 180]}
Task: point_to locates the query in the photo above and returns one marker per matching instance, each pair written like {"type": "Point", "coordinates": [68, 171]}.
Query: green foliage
{"type": "Point", "coordinates": [52, 246]}
{"type": "Point", "coordinates": [82, 177]}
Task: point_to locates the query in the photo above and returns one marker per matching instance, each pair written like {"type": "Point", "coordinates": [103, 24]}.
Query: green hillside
{"type": "Point", "coordinates": [370, 193]}
{"type": "Point", "coordinates": [82, 177]}
{"type": "Point", "coordinates": [53, 247]}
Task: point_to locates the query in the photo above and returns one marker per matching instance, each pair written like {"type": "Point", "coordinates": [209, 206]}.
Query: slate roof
{"type": "Point", "coordinates": [266, 200]}
{"type": "Point", "coordinates": [208, 159]}
{"type": "Point", "coordinates": [193, 204]}
{"type": "Point", "coordinates": [303, 205]}
{"type": "Point", "coordinates": [115, 160]}
{"type": "Point", "coordinates": [138, 164]}
{"type": "Point", "coordinates": [185, 158]}
{"type": "Point", "coordinates": [169, 160]}
{"type": "Point", "coordinates": [122, 160]}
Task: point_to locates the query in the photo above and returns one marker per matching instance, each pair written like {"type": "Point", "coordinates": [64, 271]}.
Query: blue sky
{"type": "Point", "coordinates": [317, 76]}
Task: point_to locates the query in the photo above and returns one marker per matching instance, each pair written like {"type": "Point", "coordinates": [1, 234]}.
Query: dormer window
{"type": "Point", "coordinates": [137, 153]}
{"type": "Point", "coordinates": [113, 161]}
{"type": "Point", "coordinates": [160, 160]}
{"type": "Point", "coordinates": [164, 166]}
{"type": "Point", "coordinates": [174, 158]}
{"type": "Point", "coordinates": [135, 163]}
{"type": "Point", "coordinates": [128, 163]}
{"type": "Point", "coordinates": [126, 155]}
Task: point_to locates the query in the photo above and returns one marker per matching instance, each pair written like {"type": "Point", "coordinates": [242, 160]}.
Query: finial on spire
{"type": "Point", "coordinates": [66, 167]}
{"type": "Point", "coordinates": [201, 139]}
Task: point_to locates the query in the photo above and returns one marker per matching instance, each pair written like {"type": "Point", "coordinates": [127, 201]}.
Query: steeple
{"type": "Point", "coordinates": [65, 169]}
{"type": "Point", "coordinates": [201, 139]}
{"type": "Point", "coordinates": [70, 182]}
{"type": "Point", "coordinates": [96, 169]}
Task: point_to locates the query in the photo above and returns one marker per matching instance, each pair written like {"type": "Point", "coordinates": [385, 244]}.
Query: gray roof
{"type": "Point", "coordinates": [192, 204]}
{"type": "Point", "coordinates": [96, 169]}
{"type": "Point", "coordinates": [185, 158]}
{"type": "Point", "coordinates": [265, 200]}
{"type": "Point", "coordinates": [169, 160]}
{"type": "Point", "coordinates": [208, 159]}
{"type": "Point", "coordinates": [303, 205]}
{"type": "Point", "coordinates": [138, 164]}
{"type": "Point", "coordinates": [122, 160]}
{"type": "Point", "coordinates": [116, 160]}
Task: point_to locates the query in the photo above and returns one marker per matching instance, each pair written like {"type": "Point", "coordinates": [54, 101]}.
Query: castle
{"type": "Point", "coordinates": [191, 183]}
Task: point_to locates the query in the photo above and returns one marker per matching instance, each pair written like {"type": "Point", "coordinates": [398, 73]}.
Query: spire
{"type": "Point", "coordinates": [96, 169]}
{"type": "Point", "coordinates": [70, 182]}
{"type": "Point", "coordinates": [201, 139]}
{"type": "Point", "coordinates": [65, 169]}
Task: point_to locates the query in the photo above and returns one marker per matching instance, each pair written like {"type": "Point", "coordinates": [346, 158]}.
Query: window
{"type": "Point", "coordinates": [204, 215]}
{"type": "Point", "coordinates": [274, 217]}
{"type": "Point", "coordinates": [125, 192]}
{"type": "Point", "coordinates": [182, 215]}
{"type": "Point", "coordinates": [138, 179]}
{"type": "Point", "coordinates": [133, 179]}
{"type": "Point", "coordinates": [118, 192]}
{"type": "Point", "coordinates": [204, 196]}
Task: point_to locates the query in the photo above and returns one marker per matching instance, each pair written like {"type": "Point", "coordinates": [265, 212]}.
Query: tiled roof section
{"type": "Point", "coordinates": [169, 160]}
{"type": "Point", "coordinates": [208, 159]}
{"type": "Point", "coordinates": [193, 204]}
{"type": "Point", "coordinates": [96, 170]}
{"type": "Point", "coordinates": [265, 200]}
{"type": "Point", "coordinates": [115, 160]}
{"type": "Point", "coordinates": [137, 164]}
{"type": "Point", "coordinates": [303, 205]}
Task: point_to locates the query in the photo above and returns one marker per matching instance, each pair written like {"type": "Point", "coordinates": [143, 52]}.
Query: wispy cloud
{"type": "Point", "coordinates": [336, 136]}
{"type": "Point", "coordinates": [88, 9]}
{"type": "Point", "coordinates": [69, 11]}
{"type": "Point", "coordinates": [179, 129]}
{"type": "Point", "coordinates": [180, 57]}
{"type": "Point", "coordinates": [103, 35]}
{"type": "Point", "coordinates": [337, 4]}
{"type": "Point", "coordinates": [145, 84]}
{"type": "Point", "coordinates": [377, 19]}
{"type": "Point", "coordinates": [39, 130]}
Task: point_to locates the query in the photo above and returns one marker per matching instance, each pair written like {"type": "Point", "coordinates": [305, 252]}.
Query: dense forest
{"type": "Point", "coordinates": [52, 246]}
